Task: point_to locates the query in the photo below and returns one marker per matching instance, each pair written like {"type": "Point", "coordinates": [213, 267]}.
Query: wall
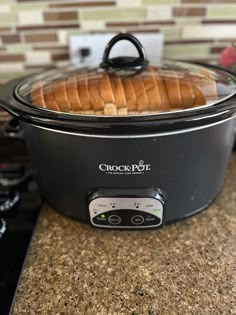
{"type": "Point", "coordinates": [34, 34]}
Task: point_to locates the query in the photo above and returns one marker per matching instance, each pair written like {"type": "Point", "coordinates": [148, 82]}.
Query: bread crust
{"type": "Point", "coordinates": [59, 90]}
{"type": "Point", "coordinates": [37, 97]}
{"type": "Point", "coordinates": [95, 99]}
{"type": "Point", "coordinates": [173, 89]}
{"type": "Point", "coordinates": [187, 93]}
{"type": "Point", "coordinates": [72, 94]}
{"type": "Point", "coordinates": [82, 86]}
{"type": "Point", "coordinates": [152, 90]}
{"type": "Point", "coordinates": [141, 96]}
{"type": "Point", "coordinates": [49, 98]}
{"type": "Point", "coordinates": [130, 95]}
{"type": "Point", "coordinates": [118, 90]}
{"type": "Point", "coordinates": [105, 89]}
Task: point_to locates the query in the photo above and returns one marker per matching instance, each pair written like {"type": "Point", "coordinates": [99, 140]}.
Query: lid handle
{"type": "Point", "coordinates": [129, 63]}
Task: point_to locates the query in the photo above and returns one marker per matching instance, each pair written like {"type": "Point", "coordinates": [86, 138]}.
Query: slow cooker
{"type": "Point", "coordinates": [127, 144]}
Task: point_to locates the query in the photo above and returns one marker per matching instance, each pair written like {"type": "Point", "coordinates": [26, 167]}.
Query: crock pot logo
{"type": "Point", "coordinates": [125, 169]}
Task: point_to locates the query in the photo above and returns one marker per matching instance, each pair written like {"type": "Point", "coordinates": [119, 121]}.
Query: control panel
{"type": "Point", "coordinates": [127, 208]}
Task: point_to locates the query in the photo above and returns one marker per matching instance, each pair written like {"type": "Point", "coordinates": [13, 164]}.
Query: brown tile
{"type": "Point", "coordinates": [5, 29]}
{"type": "Point", "coordinates": [167, 22]}
{"type": "Point", "coordinates": [51, 48]}
{"type": "Point", "coordinates": [228, 21]}
{"type": "Point", "coordinates": [60, 16]}
{"type": "Point", "coordinates": [145, 23]}
{"type": "Point", "coordinates": [227, 40]}
{"type": "Point", "coordinates": [82, 4]}
{"type": "Point", "coordinates": [205, 60]}
{"type": "Point", "coordinates": [60, 56]}
{"type": "Point", "coordinates": [39, 67]}
{"type": "Point", "coordinates": [216, 49]}
{"type": "Point", "coordinates": [187, 11]}
{"type": "Point", "coordinates": [46, 26]}
{"type": "Point", "coordinates": [12, 57]}
{"type": "Point", "coordinates": [143, 30]}
{"type": "Point", "coordinates": [40, 37]}
{"type": "Point", "coordinates": [103, 31]}
{"type": "Point", "coordinates": [121, 24]}
{"type": "Point", "coordinates": [10, 38]}
{"type": "Point", "coordinates": [35, 1]}
{"type": "Point", "coordinates": [208, 1]}
{"type": "Point", "coordinates": [188, 41]}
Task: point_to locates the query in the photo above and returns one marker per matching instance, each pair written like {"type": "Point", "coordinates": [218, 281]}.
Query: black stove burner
{"type": "Point", "coordinates": [13, 175]}
{"type": "Point", "coordinates": [19, 208]}
{"type": "Point", "coordinates": [3, 227]}
{"type": "Point", "coordinates": [9, 200]}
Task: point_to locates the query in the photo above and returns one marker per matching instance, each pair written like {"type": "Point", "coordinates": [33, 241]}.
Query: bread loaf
{"type": "Point", "coordinates": [103, 93]}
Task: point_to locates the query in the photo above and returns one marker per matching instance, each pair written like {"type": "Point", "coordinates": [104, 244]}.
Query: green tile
{"type": "Point", "coordinates": [17, 48]}
{"type": "Point", "coordinates": [180, 51]}
{"type": "Point", "coordinates": [155, 2]}
{"type": "Point", "coordinates": [113, 14]}
{"type": "Point", "coordinates": [7, 19]}
{"type": "Point", "coordinates": [222, 11]}
{"type": "Point", "coordinates": [171, 32]}
{"type": "Point", "coordinates": [74, 32]}
{"type": "Point", "coordinates": [28, 7]}
{"type": "Point", "coordinates": [6, 76]}
{"type": "Point", "coordinates": [183, 21]}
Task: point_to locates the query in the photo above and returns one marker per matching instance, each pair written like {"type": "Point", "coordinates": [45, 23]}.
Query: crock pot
{"type": "Point", "coordinates": [135, 168]}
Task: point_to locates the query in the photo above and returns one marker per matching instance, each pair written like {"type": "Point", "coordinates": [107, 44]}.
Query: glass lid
{"type": "Point", "coordinates": [125, 86]}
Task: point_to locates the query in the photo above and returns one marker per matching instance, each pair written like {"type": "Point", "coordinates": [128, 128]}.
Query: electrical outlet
{"type": "Point", "coordinates": [87, 49]}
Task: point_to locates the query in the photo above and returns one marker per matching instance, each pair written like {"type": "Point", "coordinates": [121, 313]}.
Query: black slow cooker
{"type": "Point", "coordinates": [139, 167]}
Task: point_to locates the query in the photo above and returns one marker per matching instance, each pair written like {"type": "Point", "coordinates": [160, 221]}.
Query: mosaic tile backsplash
{"type": "Point", "coordinates": [34, 34]}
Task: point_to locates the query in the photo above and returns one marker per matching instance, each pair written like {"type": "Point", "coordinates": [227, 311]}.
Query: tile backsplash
{"type": "Point", "coordinates": [34, 34]}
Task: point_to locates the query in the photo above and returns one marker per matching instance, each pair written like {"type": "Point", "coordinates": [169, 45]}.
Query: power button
{"type": "Point", "coordinates": [114, 219]}
{"type": "Point", "coordinates": [137, 219]}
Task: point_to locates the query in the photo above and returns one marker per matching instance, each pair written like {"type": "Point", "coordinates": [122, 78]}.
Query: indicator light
{"type": "Point", "coordinates": [103, 216]}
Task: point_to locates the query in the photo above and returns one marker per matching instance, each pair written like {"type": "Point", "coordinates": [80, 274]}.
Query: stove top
{"type": "Point", "coordinates": [19, 208]}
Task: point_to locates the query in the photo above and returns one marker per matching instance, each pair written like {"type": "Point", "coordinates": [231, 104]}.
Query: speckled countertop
{"type": "Point", "coordinates": [184, 268]}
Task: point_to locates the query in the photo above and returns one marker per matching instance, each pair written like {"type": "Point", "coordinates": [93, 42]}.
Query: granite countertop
{"type": "Point", "coordinates": [184, 268]}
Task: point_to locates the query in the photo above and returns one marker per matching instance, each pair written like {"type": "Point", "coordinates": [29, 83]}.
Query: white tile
{"type": "Point", "coordinates": [209, 31]}
{"type": "Point", "coordinates": [30, 17]}
{"type": "Point", "coordinates": [62, 63]}
{"type": "Point", "coordinates": [63, 37]}
{"type": "Point", "coordinates": [11, 66]}
{"type": "Point", "coordinates": [159, 12]}
{"type": "Point", "coordinates": [5, 8]}
{"type": "Point", "coordinates": [127, 3]}
{"type": "Point", "coordinates": [92, 25]}
{"type": "Point", "coordinates": [37, 57]}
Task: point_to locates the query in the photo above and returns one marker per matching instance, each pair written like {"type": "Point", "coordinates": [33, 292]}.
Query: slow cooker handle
{"type": "Point", "coordinates": [13, 130]}
{"type": "Point", "coordinates": [124, 62]}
